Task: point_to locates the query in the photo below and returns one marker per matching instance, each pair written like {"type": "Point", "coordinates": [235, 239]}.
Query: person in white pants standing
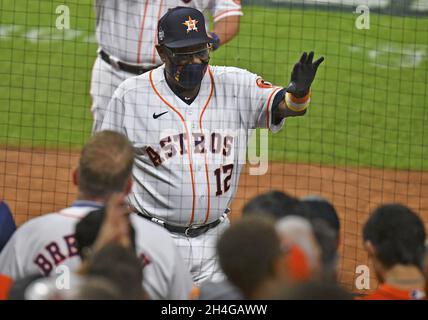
{"type": "Point", "coordinates": [126, 32]}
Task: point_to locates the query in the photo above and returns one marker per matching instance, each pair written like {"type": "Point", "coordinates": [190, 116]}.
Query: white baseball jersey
{"type": "Point", "coordinates": [45, 242]}
{"type": "Point", "coordinates": [189, 157]}
{"type": "Point", "coordinates": [127, 29]}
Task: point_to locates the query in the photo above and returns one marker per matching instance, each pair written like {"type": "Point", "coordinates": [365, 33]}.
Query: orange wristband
{"type": "Point", "coordinates": [297, 104]}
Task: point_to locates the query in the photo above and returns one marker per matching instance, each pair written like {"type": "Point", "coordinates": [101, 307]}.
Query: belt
{"type": "Point", "coordinates": [119, 65]}
{"type": "Point", "coordinates": [190, 231]}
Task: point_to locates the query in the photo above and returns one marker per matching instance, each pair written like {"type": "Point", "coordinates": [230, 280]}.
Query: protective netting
{"type": "Point", "coordinates": [362, 143]}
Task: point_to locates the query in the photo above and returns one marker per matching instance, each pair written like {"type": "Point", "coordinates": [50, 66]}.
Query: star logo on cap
{"type": "Point", "coordinates": [191, 25]}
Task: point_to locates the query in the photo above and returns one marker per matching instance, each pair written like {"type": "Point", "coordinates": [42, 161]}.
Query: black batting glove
{"type": "Point", "coordinates": [303, 75]}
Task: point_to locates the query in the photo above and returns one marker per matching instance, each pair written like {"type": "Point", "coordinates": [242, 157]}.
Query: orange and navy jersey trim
{"type": "Point", "coordinates": [274, 92]}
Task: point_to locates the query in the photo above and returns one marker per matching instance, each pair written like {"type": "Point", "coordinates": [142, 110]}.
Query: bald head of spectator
{"type": "Point", "coordinates": [105, 166]}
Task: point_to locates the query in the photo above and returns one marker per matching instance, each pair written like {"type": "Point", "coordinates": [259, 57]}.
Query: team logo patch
{"type": "Point", "coordinates": [161, 34]}
{"type": "Point", "coordinates": [263, 84]}
{"type": "Point", "coordinates": [191, 25]}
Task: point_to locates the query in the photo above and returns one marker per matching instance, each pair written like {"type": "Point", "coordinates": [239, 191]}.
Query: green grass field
{"type": "Point", "coordinates": [369, 100]}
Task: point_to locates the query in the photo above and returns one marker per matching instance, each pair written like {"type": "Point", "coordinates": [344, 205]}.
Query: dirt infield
{"type": "Point", "coordinates": [39, 181]}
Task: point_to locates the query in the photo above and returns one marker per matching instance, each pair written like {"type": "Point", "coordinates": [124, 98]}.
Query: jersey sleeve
{"type": "Point", "coordinates": [224, 8]}
{"type": "Point", "coordinates": [259, 96]}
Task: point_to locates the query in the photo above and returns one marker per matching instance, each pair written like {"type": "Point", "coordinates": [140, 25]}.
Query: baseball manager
{"type": "Point", "coordinates": [189, 122]}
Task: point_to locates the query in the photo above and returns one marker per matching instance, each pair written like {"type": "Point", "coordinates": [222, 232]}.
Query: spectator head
{"type": "Point", "coordinates": [326, 226]}
{"type": "Point", "coordinates": [87, 230]}
{"type": "Point", "coordinates": [97, 288]}
{"type": "Point", "coordinates": [302, 254]}
{"type": "Point", "coordinates": [112, 254]}
{"type": "Point", "coordinates": [105, 166]}
{"type": "Point", "coordinates": [121, 267]}
{"type": "Point", "coordinates": [394, 235]}
{"type": "Point", "coordinates": [274, 203]}
{"type": "Point", "coordinates": [326, 239]}
{"type": "Point", "coordinates": [250, 255]}
{"type": "Point", "coordinates": [320, 208]}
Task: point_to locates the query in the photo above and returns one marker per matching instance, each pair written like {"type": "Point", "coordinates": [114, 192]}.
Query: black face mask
{"type": "Point", "coordinates": [188, 76]}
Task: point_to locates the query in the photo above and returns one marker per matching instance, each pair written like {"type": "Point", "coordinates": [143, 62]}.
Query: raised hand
{"type": "Point", "coordinates": [116, 225]}
{"type": "Point", "coordinates": [303, 75]}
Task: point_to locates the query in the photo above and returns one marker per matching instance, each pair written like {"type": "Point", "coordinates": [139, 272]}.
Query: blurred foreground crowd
{"type": "Point", "coordinates": [281, 248]}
